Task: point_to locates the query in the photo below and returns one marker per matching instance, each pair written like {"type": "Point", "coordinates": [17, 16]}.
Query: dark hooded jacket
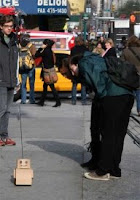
{"type": "Point", "coordinates": [92, 70]}
{"type": "Point", "coordinates": [8, 61]}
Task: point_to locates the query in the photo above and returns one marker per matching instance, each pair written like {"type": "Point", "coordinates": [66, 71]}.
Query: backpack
{"type": "Point", "coordinates": [122, 73]}
{"type": "Point", "coordinates": [26, 61]}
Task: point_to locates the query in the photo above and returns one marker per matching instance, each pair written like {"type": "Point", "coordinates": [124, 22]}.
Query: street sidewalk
{"type": "Point", "coordinates": [54, 139]}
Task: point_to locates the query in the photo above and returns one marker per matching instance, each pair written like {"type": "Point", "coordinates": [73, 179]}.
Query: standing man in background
{"type": "Point", "coordinates": [79, 48]}
{"type": "Point", "coordinates": [30, 49]}
{"type": "Point", "coordinates": [8, 68]}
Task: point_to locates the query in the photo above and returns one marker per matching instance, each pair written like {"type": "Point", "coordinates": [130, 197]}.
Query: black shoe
{"type": "Point", "coordinates": [89, 165]}
{"type": "Point", "coordinates": [115, 173]}
{"type": "Point", "coordinates": [40, 103]}
{"type": "Point", "coordinates": [57, 104]}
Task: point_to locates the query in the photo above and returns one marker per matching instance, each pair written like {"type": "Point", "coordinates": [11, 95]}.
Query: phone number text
{"type": "Point", "coordinates": [53, 10]}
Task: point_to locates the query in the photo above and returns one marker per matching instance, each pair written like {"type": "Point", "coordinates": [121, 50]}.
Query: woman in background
{"type": "Point", "coordinates": [110, 49]}
{"type": "Point", "coordinates": [48, 62]}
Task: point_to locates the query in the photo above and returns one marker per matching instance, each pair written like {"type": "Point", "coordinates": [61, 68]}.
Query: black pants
{"type": "Point", "coordinates": [109, 122]}
{"type": "Point", "coordinates": [95, 128]}
{"type": "Point", "coordinates": [44, 93]}
{"type": "Point", "coordinates": [115, 113]}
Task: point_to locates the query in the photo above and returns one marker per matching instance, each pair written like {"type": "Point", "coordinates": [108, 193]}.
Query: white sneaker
{"type": "Point", "coordinates": [94, 176]}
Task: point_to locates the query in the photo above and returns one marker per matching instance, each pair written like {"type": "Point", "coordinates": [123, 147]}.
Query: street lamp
{"type": "Point", "coordinates": [85, 19]}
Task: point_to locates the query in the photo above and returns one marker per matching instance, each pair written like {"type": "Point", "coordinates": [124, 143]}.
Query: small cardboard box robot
{"type": "Point", "coordinates": [23, 174]}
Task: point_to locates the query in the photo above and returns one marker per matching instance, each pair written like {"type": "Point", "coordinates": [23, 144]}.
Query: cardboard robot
{"type": "Point", "coordinates": [23, 174]}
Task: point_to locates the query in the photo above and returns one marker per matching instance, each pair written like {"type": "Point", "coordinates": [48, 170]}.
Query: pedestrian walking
{"type": "Point", "coordinates": [8, 79]}
{"type": "Point", "coordinates": [48, 59]}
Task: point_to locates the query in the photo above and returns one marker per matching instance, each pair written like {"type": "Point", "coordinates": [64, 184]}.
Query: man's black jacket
{"type": "Point", "coordinates": [8, 61]}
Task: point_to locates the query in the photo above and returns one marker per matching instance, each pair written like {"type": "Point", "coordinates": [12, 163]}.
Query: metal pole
{"type": "Point", "coordinates": [85, 29]}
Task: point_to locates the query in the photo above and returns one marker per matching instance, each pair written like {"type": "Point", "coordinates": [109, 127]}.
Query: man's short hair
{"type": "Point", "coordinates": [24, 39]}
{"type": "Point", "coordinates": [6, 19]}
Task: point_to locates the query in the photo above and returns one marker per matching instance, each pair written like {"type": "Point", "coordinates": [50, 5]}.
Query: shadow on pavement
{"type": "Point", "coordinates": [68, 150]}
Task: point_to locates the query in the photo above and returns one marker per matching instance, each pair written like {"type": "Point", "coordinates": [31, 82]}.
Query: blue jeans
{"type": "Point", "coordinates": [74, 91]}
{"type": "Point", "coordinates": [138, 99]}
{"type": "Point", "coordinates": [6, 99]}
{"type": "Point", "coordinates": [31, 75]}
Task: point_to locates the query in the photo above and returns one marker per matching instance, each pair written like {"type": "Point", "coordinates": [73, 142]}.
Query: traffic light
{"type": "Point", "coordinates": [132, 18]}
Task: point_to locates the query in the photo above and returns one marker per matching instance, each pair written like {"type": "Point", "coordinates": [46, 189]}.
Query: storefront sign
{"type": "Point", "coordinates": [42, 7]}
{"type": "Point", "coordinates": [122, 23]}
